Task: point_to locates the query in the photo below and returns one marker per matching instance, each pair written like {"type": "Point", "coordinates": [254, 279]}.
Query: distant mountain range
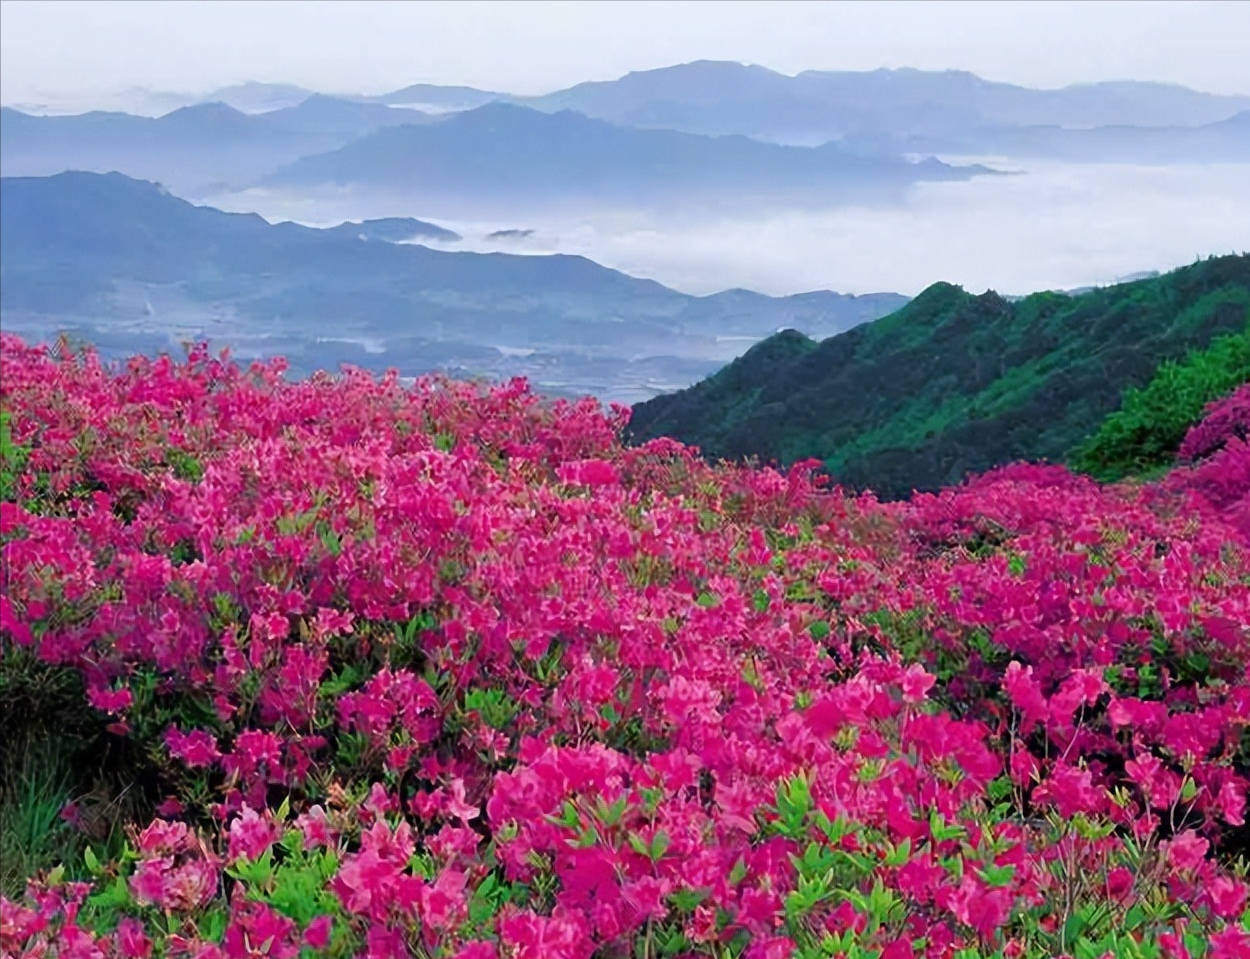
{"type": "Point", "coordinates": [647, 136]}
{"type": "Point", "coordinates": [1224, 141]}
{"type": "Point", "coordinates": [395, 229]}
{"type": "Point", "coordinates": [722, 97]}
{"type": "Point", "coordinates": [499, 157]}
{"type": "Point", "coordinates": [492, 159]}
{"type": "Point", "coordinates": [953, 383]}
{"type": "Point", "coordinates": [195, 148]}
{"type": "Point", "coordinates": [715, 97]}
{"type": "Point", "coordinates": [130, 267]}
{"type": "Point", "coordinates": [440, 99]}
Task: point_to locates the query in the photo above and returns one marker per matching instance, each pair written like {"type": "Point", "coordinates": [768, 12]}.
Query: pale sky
{"type": "Point", "coordinates": [66, 48]}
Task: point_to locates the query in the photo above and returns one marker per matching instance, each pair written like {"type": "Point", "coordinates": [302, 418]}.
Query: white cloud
{"type": "Point", "coordinates": [1054, 227]}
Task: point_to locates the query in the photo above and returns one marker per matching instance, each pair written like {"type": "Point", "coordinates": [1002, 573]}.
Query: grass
{"type": "Point", "coordinates": [51, 752]}
{"type": "Point", "coordinates": [33, 836]}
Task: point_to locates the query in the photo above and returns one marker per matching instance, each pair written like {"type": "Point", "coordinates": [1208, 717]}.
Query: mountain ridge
{"type": "Point", "coordinates": [503, 152]}
{"type": "Point", "coordinates": [133, 267]}
{"type": "Point", "coordinates": [953, 382]}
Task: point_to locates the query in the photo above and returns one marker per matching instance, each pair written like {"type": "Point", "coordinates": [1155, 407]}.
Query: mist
{"type": "Point", "coordinates": [1048, 226]}
{"type": "Point", "coordinates": [83, 54]}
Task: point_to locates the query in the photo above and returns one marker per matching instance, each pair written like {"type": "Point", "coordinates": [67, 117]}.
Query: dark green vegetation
{"type": "Point", "coordinates": [954, 383]}
{"type": "Point", "coordinates": [1144, 434]}
{"type": "Point", "coordinates": [54, 748]}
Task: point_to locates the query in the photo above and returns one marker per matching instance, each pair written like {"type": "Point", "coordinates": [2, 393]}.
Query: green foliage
{"type": "Point", "coordinates": [1144, 434]}
{"type": "Point", "coordinates": [12, 459]}
{"type": "Point", "coordinates": [33, 836]}
{"type": "Point", "coordinates": [293, 881]}
{"type": "Point", "coordinates": [954, 383]}
{"type": "Point", "coordinates": [54, 749]}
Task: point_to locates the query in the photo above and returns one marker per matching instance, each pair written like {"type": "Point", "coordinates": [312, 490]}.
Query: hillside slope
{"type": "Point", "coordinates": [953, 383]}
{"type": "Point", "coordinates": [501, 156]}
{"type": "Point", "coordinates": [131, 268]}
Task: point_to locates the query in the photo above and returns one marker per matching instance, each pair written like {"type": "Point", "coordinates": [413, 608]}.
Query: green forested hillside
{"type": "Point", "coordinates": [1143, 435]}
{"type": "Point", "coordinates": [954, 383]}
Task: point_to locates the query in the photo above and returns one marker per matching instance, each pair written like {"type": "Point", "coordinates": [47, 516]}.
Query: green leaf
{"type": "Point", "coordinates": [659, 845]}
{"type": "Point", "coordinates": [685, 900]}
{"type": "Point", "coordinates": [639, 845]}
{"type": "Point", "coordinates": [997, 876]}
{"type": "Point", "coordinates": [1073, 928]}
{"type": "Point", "coordinates": [898, 855]}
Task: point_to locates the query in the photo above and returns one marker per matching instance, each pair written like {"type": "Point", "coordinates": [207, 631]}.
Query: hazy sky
{"type": "Point", "coordinates": [65, 48]}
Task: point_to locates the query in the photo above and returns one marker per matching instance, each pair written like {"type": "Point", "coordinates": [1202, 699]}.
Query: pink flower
{"type": "Point", "coordinates": [197, 748]}
{"type": "Point", "coordinates": [916, 683]}
{"type": "Point", "coordinates": [1186, 852]}
{"type": "Point", "coordinates": [456, 804]}
{"type": "Point", "coordinates": [478, 950]}
{"type": "Point", "coordinates": [256, 931]}
{"type": "Point", "coordinates": [531, 936]}
{"type": "Point", "coordinates": [1070, 791]}
{"type": "Point", "coordinates": [1026, 695]}
{"type": "Point", "coordinates": [1119, 883]}
{"type": "Point", "coordinates": [1229, 943]}
{"type": "Point", "coordinates": [251, 835]}
{"type": "Point", "coordinates": [645, 897]}
{"type": "Point", "coordinates": [164, 838]}
{"type": "Point", "coordinates": [589, 473]}
{"type": "Point", "coordinates": [899, 949]}
{"type": "Point", "coordinates": [1228, 897]}
{"type": "Point", "coordinates": [316, 827]}
{"type": "Point", "coordinates": [1232, 802]}
{"type": "Point", "coordinates": [132, 942]}
{"type": "Point", "coordinates": [317, 933]}
{"type": "Point", "coordinates": [150, 882]}
{"type": "Point", "coordinates": [772, 947]}
{"type": "Point", "coordinates": [444, 904]}
{"type": "Point", "coordinates": [109, 700]}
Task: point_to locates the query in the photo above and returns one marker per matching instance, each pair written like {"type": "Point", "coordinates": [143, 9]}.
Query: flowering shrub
{"type": "Point", "coordinates": [1224, 420]}
{"type": "Point", "coordinates": [1143, 435]}
{"type": "Point", "coordinates": [447, 671]}
{"type": "Point", "coordinates": [1217, 452]}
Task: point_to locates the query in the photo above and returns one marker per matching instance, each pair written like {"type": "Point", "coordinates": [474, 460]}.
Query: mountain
{"type": "Point", "coordinates": [254, 97]}
{"type": "Point", "coordinates": [128, 266]}
{"type": "Point", "coordinates": [715, 97]}
{"type": "Point", "coordinates": [953, 383]}
{"type": "Point", "coordinates": [500, 156]}
{"type": "Point", "coordinates": [435, 98]}
{"type": "Point", "coordinates": [706, 134]}
{"type": "Point", "coordinates": [343, 119]}
{"type": "Point", "coordinates": [395, 229]}
{"type": "Point", "coordinates": [1225, 141]}
{"type": "Point", "coordinates": [191, 147]}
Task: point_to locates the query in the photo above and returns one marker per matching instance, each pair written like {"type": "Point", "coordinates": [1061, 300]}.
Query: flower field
{"type": "Point", "coordinates": [446, 670]}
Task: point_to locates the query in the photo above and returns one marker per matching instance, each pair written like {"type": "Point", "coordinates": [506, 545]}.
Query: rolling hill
{"type": "Point", "coordinates": [953, 383]}
{"type": "Point", "coordinates": [127, 265]}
